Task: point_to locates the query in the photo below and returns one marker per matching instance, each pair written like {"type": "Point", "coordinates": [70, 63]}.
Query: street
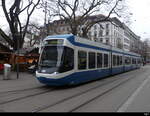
{"type": "Point", "coordinates": [126, 92]}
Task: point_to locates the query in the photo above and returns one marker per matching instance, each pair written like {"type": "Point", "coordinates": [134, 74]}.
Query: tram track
{"type": "Point", "coordinates": [116, 81]}
{"type": "Point", "coordinates": [67, 99]}
{"type": "Point", "coordinates": [15, 95]}
{"type": "Point", "coordinates": [19, 90]}
{"type": "Point", "coordinates": [99, 95]}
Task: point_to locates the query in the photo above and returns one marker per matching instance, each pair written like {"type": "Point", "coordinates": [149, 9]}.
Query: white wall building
{"type": "Point", "coordinates": [111, 32]}
{"type": "Point", "coordinates": [115, 33]}
{"type": "Point", "coordinates": [107, 32]}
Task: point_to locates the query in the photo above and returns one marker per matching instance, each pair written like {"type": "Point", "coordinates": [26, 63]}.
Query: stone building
{"type": "Point", "coordinates": [111, 32]}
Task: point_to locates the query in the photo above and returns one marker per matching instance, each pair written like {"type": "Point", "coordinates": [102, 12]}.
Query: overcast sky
{"type": "Point", "coordinates": [140, 19]}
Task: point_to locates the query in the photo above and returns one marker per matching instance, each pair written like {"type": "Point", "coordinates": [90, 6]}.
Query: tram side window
{"type": "Point", "coordinates": [99, 60]}
{"type": "Point", "coordinates": [68, 60]}
{"type": "Point", "coordinates": [114, 60]}
{"type": "Point", "coordinates": [129, 60]}
{"type": "Point", "coordinates": [82, 60]}
{"type": "Point", "coordinates": [91, 60]}
{"type": "Point", "coordinates": [136, 61]}
{"type": "Point", "coordinates": [139, 61]}
{"type": "Point", "coordinates": [126, 60]}
{"type": "Point", "coordinates": [105, 60]}
{"type": "Point", "coordinates": [133, 61]}
{"type": "Point", "coordinates": [118, 60]}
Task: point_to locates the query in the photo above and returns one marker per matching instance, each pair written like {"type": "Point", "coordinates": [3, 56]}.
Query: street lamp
{"type": "Point", "coordinates": [17, 57]}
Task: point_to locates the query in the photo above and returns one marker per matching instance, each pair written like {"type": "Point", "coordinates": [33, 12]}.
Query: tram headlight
{"type": "Point", "coordinates": [55, 73]}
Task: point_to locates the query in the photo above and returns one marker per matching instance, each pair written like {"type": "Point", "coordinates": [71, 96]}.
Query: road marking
{"type": "Point", "coordinates": [124, 107]}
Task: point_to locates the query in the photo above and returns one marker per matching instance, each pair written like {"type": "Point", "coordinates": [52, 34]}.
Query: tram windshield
{"type": "Point", "coordinates": [56, 59]}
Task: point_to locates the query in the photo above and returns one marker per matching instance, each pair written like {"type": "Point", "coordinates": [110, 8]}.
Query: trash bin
{"type": "Point", "coordinates": [7, 70]}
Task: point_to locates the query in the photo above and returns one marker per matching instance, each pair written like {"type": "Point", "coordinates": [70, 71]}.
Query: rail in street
{"type": "Point", "coordinates": [104, 95]}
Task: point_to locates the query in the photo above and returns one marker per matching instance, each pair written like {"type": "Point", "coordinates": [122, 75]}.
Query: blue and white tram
{"type": "Point", "coordinates": [70, 60]}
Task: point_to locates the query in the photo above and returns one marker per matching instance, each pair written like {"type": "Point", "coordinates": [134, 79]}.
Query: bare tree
{"type": "Point", "coordinates": [13, 15]}
{"type": "Point", "coordinates": [77, 12]}
{"type": "Point", "coordinates": [33, 33]}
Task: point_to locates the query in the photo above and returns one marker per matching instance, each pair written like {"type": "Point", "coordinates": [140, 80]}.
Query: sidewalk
{"type": "Point", "coordinates": [139, 101]}
{"type": "Point", "coordinates": [26, 80]}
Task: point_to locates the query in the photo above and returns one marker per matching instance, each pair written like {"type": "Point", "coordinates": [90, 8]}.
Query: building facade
{"type": "Point", "coordinates": [110, 32]}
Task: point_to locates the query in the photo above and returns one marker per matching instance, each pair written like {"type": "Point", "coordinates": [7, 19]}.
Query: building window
{"type": "Point", "coordinates": [126, 40]}
{"type": "Point", "coordinates": [101, 33]}
{"type": "Point", "coordinates": [101, 40]}
{"type": "Point", "coordinates": [91, 60]}
{"type": "Point", "coordinates": [126, 46]}
{"type": "Point", "coordinates": [82, 60]}
{"type": "Point", "coordinates": [107, 32]}
{"type": "Point", "coordinates": [99, 60]}
{"type": "Point", "coordinates": [107, 26]}
{"type": "Point", "coordinates": [107, 41]}
{"type": "Point", "coordinates": [89, 34]}
{"type": "Point", "coordinates": [95, 34]}
{"type": "Point", "coordinates": [95, 27]}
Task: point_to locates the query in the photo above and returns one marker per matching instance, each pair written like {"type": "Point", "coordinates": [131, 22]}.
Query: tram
{"type": "Point", "coordinates": [71, 60]}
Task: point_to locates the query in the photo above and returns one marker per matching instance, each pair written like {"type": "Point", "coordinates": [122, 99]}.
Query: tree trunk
{"type": "Point", "coordinates": [18, 40]}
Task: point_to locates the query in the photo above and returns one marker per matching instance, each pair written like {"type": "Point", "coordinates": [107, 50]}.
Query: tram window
{"type": "Point", "coordinates": [118, 60]}
{"type": "Point", "coordinates": [82, 60]}
{"type": "Point", "coordinates": [139, 61]}
{"type": "Point", "coordinates": [99, 60]}
{"type": "Point", "coordinates": [91, 60]}
{"type": "Point", "coordinates": [68, 60]}
{"type": "Point", "coordinates": [133, 61]}
{"type": "Point", "coordinates": [129, 60]}
{"type": "Point", "coordinates": [114, 60]}
{"type": "Point", "coordinates": [56, 59]}
{"type": "Point", "coordinates": [126, 60]}
{"type": "Point", "coordinates": [105, 60]}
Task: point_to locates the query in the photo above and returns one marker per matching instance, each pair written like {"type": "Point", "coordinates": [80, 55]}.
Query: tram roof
{"type": "Point", "coordinates": [71, 36]}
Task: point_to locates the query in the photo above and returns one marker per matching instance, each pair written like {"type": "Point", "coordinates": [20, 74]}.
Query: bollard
{"type": "Point", "coordinates": [7, 70]}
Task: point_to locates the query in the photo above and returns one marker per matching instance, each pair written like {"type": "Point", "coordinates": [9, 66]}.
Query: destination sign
{"type": "Point", "coordinates": [54, 42]}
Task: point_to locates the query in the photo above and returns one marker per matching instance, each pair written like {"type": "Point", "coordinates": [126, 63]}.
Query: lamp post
{"type": "Point", "coordinates": [17, 57]}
